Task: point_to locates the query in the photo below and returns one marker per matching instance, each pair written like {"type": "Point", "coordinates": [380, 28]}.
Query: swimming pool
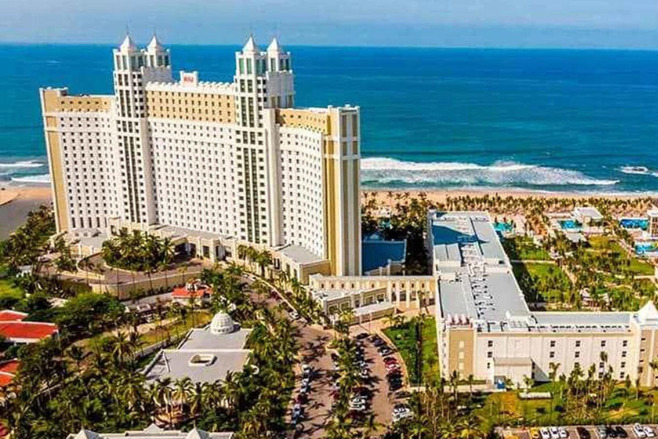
{"type": "Point", "coordinates": [570, 225]}
{"type": "Point", "coordinates": [645, 248]}
{"type": "Point", "coordinates": [634, 223]}
{"type": "Point", "coordinates": [503, 227]}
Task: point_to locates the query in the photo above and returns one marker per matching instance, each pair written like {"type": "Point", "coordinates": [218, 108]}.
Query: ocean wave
{"type": "Point", "coordinates": [41, 179]}
{"type": "Point", "coordinates": [21, 165]}
{"type": "Point", "coordinates": [382, 171]}
{"type": "Point", "coordinates": [638, 170]}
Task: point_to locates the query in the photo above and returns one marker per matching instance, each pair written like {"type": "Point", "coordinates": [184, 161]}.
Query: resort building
{"type": "Point", "coordinates": [152, 432]}
{"type": "Point", "coordinates": [485, 328]}
{"type": "Point", "coordinates": [213, 165]}
{"type": "Point", "coordinates": [205, 355]}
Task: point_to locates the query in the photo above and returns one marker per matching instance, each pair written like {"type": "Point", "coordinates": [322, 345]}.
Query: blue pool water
{"type": "Point", "coordinates": [570, 225]}
{"type": "Point", "coordinates": [645, 248]}
{"type": "Point", "coordinates": [634, 223]}
{"type": "Point", "coordinates": [503, 227]}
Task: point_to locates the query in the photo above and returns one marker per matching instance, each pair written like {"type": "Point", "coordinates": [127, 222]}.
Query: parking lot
{"type": "Point", "coordinates": [585, 432]}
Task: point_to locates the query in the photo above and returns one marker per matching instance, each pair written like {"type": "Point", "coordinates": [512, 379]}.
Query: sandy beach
{"type": "Point", "coordinates": [17, 202]}
{"type": "Point", "coordinates": [391, 197]}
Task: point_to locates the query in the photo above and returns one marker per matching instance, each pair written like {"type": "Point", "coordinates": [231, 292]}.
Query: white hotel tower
{"type": "Point", "coordinates": [211, 164]}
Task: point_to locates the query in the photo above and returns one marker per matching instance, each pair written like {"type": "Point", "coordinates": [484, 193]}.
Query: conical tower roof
{"type": "Point", "coordinates": [128, 44]}
{"type": "Point", "coordinates": [251, 45]}
{"type": "Point", "coordinates": [274, 46]}
{"type": "Point", "coordinates": [155, 45]}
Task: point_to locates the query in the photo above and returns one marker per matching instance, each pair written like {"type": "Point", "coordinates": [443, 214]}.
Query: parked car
{"type": "Point", "coordinates": [583, 433]}
{"type": "Point", "coordinates": [555, 434]}
{"type": "Point", "coordinates": [621, 432]}
{"type": "Point", "coordinates": [294, 315]}
{"type": "Point", "coordinates": [562, 432]}
{"type": "Point", "coordinates": [601, 431]}
{"type": "Point", "coordinates": [639, 431]}
{"type": "Point", "coordinates": [611, 432]}
{"type": "Point", "coordinates": [544, 433]}
{"type": "Point", "coordinates": [649, 431]}
{"type": "Point", "coordinates": [362, 335]}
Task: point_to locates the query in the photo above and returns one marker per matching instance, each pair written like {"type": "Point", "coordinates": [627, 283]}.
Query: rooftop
{"type": "Point", "coordinates": [152, 432]}
{"type": "Point", "coordinates": [589, 212]}
{"type": "Point", "coordinates": [378, 253]}
{"type": "Point", "coordinates": [477, 286]}
{"type": "Point", "coordinates": [205, 355]}
{"type": "Point", "coordinates": [15, 330]}
{"type": "Point", "coordinates": [299, 254]}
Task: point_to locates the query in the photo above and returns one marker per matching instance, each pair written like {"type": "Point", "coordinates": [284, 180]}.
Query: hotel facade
{"type": "Point", "coordinates": [213, 164]}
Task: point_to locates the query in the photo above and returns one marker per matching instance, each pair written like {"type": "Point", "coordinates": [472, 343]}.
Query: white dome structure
{"type": "Point", "coordinates": [222, 323]}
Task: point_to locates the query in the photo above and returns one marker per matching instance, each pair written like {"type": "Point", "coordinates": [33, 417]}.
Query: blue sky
{"type": "Point", "coordinates": [443, 23]}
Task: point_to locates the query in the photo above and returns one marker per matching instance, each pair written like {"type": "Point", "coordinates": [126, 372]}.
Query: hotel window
{"type": "Point", "coordinates": [577, 354]}
{"type": "Point", "coordinates": [577, 343]}
{"type": "Point", "coordinates": [552, 343]}
{"type": "Point", "coordinates": [551, 354]}
{"type": "Point", "coordinates": [490, 343]}
{"type": "Point", "coordinates": [489, 354]}
{"type": "Point", "coordinates": [602, 343]}
{"type": "Point", "coordinates": [624, 343]}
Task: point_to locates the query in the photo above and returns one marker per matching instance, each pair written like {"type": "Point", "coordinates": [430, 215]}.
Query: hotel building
{"type": "Point", "coordinates": [211, 164]}
{"type": "Point", "coordinates": [486, 329]}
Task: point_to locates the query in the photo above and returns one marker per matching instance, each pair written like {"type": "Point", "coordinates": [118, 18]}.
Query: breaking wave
{"type": "Point", "coordinates": [386, 171]}
{"type": "Point", "coordinates": [638, 170]}
{"type": "Point", "coordinates": [22, 165]}
{"type": "Point", "coordinates": [40, 179]}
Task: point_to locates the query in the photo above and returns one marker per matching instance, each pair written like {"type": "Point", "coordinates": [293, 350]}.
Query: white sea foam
{"type": "Point", "coordinates": [638, 170]}
{"type": "Point", "coordinates": [39, 179]}
{"type": "Point", "coordinates": [21, 165]}
{"type": "Point", "coordinates": [384, 171]}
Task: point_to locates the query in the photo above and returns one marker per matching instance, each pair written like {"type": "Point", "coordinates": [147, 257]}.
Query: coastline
{"type": "Point", "coordinates": [16, 202]}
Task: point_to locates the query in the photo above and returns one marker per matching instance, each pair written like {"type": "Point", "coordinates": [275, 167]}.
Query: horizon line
{"type": "Point", "coordinates": [345, 46]}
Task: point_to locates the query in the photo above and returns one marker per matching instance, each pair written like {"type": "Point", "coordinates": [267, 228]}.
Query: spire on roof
{"type": "Point", "coordinates": [274, 46]}
{"type": "Point", "coordinates": [197, 434]}
{"type": "Point", "coordinates": [128, 44]}
{"type": "Point", "coordinates": [155, 44]}
{"type": "Point", "coordinates": [86, 434]}
{"type": "Point", "coordinates": [250, 46]}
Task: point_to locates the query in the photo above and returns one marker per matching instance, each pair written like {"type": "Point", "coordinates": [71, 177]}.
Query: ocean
{"type": "Point", "coordinates": [544, 120]}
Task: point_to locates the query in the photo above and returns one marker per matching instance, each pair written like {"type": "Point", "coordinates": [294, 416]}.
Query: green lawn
{"type": "Point", "coordinates": [407, 343]}
{"type": "Point", "coordinates": [523, 248]}
{"type": "Point", "coordinates": [607, 244]}
{"type": "Point", "coordinates": [623, 406]}
{"type": "Point", "coordinates": [8, 292]}
{"type": "Point", "coordinates": [542, 282]}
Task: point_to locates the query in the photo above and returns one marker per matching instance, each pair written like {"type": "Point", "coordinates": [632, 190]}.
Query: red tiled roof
{"type": "Point", "coordinates": [183, 292]}
{"type": "Point", "coordinates": [5, 379]}
{"type": "Point", "coordinates": [10, 366]}
{"type": "Point", "coordinates": [8, 315]}
{"type": "Point", "coordinates": [26, 330]}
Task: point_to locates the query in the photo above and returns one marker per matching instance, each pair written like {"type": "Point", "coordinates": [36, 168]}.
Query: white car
{"type": "Point", "coordinates": [639, 431]}
{"type": "Point", "coordinates": [555, 434]}
{"type": "Point", "coordinates": [294, 315]}
{"type": "Point", "coordinates": [544, 433]}
{"type": "Point", "coordinates": [563, 433]}
{"type": "Point", "coordinates": [649, 431]}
